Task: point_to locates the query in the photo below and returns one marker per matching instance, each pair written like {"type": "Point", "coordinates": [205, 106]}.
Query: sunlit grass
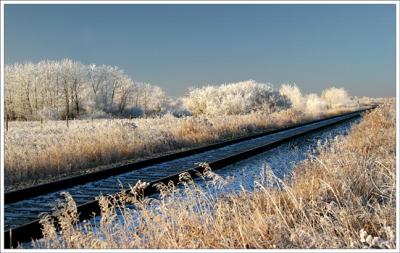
{"type": "Point", "coordinates": [342, 198]}
{"type": "Point", "coordinates": [40, 151]}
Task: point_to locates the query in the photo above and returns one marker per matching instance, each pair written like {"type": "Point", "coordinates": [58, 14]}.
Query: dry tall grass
{"type": "Point", "coordinates": [37, 152]}
{"type": "Point", "coordinates": [342, 198]}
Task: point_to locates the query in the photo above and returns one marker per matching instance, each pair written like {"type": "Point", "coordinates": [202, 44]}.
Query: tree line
{"type": "Point", "coordinates": [68, 89]}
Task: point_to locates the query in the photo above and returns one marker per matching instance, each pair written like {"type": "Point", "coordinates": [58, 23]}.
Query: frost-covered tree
{"type": "Point", "coordinates": [71, 81]}
{"type": "Point", "coordinates": [10, 93]}
{"type": "Point", "coordinates": [123, 91]}
{"type": "Point", "coordinates": [150, 98]}
{"type": "Point", "coordinates": [68, 89]}
{"type": "Point", "coordinates": [21, 81]}
{"type": "Point", "coordinates": [294, 94]}
{"type": "Point", "coordinates": [314, 104]}
{"type": "Point", "coordinates": [235, 98]}
{"type": "Point", "coordinates": [335, 97]}
{"type": "Point", "coordinates": [103, 81]}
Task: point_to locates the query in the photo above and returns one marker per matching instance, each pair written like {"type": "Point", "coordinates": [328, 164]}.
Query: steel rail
{"type": "Point", "coordinates": [32, 230]}
{"type": "Point", "coordinates": [45, 188]}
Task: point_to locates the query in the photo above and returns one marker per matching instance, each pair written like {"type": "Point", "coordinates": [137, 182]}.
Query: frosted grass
{"type": "Point", "coordinates": [244, 176]}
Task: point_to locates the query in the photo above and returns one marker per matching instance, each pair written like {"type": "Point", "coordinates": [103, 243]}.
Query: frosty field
{"type": "Point", "coordinates": [341, 197]}
{"type": "Point", "coordinates": [37, 152]}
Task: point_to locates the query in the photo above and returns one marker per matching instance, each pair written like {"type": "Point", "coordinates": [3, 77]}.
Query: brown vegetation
{"type": "Point", "coordinates": [342, 198]}
{"type": "Point", "coordinates": [38, 152]}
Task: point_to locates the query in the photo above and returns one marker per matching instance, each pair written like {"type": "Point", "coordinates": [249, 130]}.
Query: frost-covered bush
{"type": "Point", "coordinates": [335, 97]}
{"type": "Point", "coordinates": [235, 98]}
{"type": "Point", "coordinates": [294, 94]}
{"type": "Point", "coordinates": [314, 104]}
{"type": "Point", "coordinates": [363, 101]}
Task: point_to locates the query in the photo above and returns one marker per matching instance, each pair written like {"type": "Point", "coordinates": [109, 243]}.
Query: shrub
{"type": "Point", "coordinates": [335, 97]}
{"type": "Point", "coordinates": [314, 104]}
{"type": "Point", "coordinates": [293, 93]}
{"type": "Point", "coordinates": [235, 98]}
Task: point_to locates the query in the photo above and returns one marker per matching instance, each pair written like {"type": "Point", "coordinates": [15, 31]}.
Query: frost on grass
{"type": "Point", "coordinates": [345, 197]}
{"type": "Point", "coordinates": [60, 150]}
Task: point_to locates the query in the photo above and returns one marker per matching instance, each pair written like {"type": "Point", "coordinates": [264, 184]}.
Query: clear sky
{"type": "Point", "coordinates": [181, 46]}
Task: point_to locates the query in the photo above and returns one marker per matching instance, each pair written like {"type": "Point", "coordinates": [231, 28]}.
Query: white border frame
{"type": "Point", "coordinates": [237, 2]}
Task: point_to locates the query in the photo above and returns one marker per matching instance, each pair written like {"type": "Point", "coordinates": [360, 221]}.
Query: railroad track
{"type": "Point", "coordinates": [22, 207]}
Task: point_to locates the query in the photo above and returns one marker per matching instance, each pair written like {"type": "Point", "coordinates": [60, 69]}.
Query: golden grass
{"type": "Point", "coordinates": [342, 198]}
{"type": "Point", "coordinates": [38, 152]}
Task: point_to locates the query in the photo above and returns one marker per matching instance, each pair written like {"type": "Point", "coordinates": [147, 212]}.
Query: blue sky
{"type": "Point", "coordinates": [181, 46]}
